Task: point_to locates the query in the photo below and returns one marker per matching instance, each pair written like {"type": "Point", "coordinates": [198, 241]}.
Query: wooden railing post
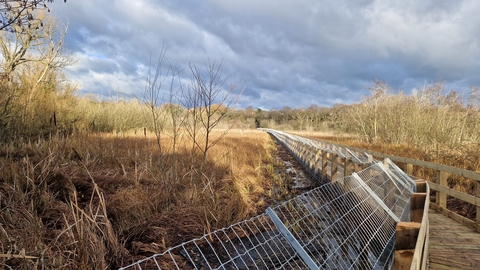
{"type": "Point", "coordinates": [318, 162]}
{"type": "Point", "coordinates": [417, 206]}
{"type": "Point", "coordinates": [368, 163]}
{"type": "Point", "coordinates": [421, 185]}
{"type": "Point", "coordinates": [441, 197]}
{"type": "Point", "coordinates": [334, 167]}
{"type": "Point", "coordinates": [357, 167]}
{"type": "Point", "coordinates": [409, 168]}
{"type": "Point", "coordinates": [313, 158]}
{"type": "Point", "coordinates": [302, 152]}
{"type": "Point", "coordinates": [407, 233]}
{"type": "Point", "coordinates": [325, 156]}
{"type": "Point", "coordinates": [348, 167]}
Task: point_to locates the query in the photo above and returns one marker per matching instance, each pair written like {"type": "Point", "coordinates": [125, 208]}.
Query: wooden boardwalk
{"type": "Point", "coordinates": [452, 245]}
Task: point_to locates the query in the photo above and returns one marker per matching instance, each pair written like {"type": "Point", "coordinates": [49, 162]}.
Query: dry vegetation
{"type": "Point", "coordinates": [91, 184]}
{"type": "Point", "coordinates": [100, 201]}
{"type": "Point", "coordinates": [432, 124]}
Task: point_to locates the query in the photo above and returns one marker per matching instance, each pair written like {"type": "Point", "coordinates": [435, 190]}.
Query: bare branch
{"type": "Point", "coordinates": [17, 15]}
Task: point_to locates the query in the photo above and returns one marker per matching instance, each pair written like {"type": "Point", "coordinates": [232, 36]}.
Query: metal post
{"type": "Point", "coordinates": [291, 239]}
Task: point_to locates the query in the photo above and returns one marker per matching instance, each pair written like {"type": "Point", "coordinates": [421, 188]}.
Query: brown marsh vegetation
{"type": "Point", "coordinates": [101, 201]}
{"type": "Point", "coordinates": [91, 184]}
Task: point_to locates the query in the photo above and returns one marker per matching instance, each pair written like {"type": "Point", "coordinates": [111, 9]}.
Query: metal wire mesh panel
{"type": "Point", "coordinates": [346, 224]}
{"type": "Point", "coordinates": [383, 183]}
{"type": "Point", "coordinates": [251, 244]}
{"type": "Point", "coordinates": [305, 150]}
{"type": "Point", "coordinates": [400, 176]}
{"type": "Point", "coordinates": [341, 226]}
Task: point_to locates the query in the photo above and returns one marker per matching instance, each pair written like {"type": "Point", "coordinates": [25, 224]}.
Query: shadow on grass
{"type": "Point", "coordinates": [152, 201]}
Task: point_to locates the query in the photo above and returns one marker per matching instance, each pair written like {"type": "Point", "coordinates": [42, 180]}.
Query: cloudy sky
{"type": "Point", "coordinates": [281, 52]}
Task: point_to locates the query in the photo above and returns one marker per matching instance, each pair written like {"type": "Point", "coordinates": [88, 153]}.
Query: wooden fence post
{"type": "Point", "coordinates": [334, 167]}
{"type": "Point", "coordinates": [348, 167]}
{"type": "Point", "coordinates": [417, 206]}
{"type": "Point", "coordinates": [406, 235]}
{"type": "Point", "coordinates": [302, 154]}
{"type": "Point", "coordinates": [325, 156]}
{"type": "Point", "coordinates": [318, 162]}
{"type": "Point", "coordinates": [358, 166]}
{"type": "Point", "coordinates": [313, 156]}
{"type": "Point", "coordinates": [421, 185]}
{"type": "Point", "coordinates": [441, 197]}
{"type": "Point", "coordinates": [409, 168]}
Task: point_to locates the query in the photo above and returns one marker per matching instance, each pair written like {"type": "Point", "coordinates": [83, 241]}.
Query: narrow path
{"type": "Point", "coordinates": [452, 245]}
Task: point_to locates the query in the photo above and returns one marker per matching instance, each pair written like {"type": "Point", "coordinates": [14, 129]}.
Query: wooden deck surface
{"type": "Point", "coordinates": [452, 245]}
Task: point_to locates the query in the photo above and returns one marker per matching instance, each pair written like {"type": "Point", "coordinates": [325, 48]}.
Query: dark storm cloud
{"type": "Point", "coordinates": [283, 52]}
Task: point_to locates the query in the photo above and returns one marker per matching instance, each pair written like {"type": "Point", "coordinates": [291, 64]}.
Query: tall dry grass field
{"type": "Point", "coordinates": [102, 201]}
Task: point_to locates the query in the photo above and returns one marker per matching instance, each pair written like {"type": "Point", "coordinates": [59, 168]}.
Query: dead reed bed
{"type": "Point", "coordinates": [101, 201]}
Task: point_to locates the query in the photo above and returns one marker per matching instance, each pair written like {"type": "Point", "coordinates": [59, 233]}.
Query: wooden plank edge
{"type": "Point", "coordinates": [458, 218]}
{"type": "Point", "coordinates": [421, 247]}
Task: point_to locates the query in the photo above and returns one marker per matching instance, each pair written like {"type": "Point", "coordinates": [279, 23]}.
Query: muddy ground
{"type": "Point", "coordinates": [295, 178]}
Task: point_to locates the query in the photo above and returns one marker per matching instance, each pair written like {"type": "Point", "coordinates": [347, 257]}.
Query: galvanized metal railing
{"type": "Point", "coordinates": [348, 222]}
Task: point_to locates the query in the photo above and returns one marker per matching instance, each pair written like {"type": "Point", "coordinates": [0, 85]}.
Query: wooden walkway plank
{"type": "Point", "coordinates": [452, 245]}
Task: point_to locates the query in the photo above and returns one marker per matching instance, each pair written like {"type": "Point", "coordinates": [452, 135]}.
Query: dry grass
{"type": "Point", "coordinates": [102, 201]}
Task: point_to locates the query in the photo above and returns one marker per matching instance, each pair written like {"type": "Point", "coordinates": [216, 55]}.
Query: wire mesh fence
{"type": "Point", "coordinates": [320, 158]}
{"type": "Point", "coordinates": [345, 224]}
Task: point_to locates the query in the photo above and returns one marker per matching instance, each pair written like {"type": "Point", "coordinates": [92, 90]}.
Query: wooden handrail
{"type": "Point", "coordinates": [456, 194]}
{"type": "Point", "coordinates": [426, 164]}
{"type": "Point", "coordinates": [411, 243]}
{"type": "Point", "coordinates": [441, 185]}
{"type": "Point", "coordinates": [420, 256]}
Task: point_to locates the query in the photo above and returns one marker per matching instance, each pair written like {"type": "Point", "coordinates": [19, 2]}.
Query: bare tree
{"type": "Point", "coordinates": [152, 96]}
{"type": "Point", "coordinates": [173, 109]}
{"type": "Point", "coordinates": [31, 60]}
{"type": "Point", "coordinates": [208, 102]}
{"type": "Point", "coordinates": [51, 58]}
{"type": "Point", "coordinates": [160, 79]}
{"type": "Point", "coordinates": [15, 45]}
